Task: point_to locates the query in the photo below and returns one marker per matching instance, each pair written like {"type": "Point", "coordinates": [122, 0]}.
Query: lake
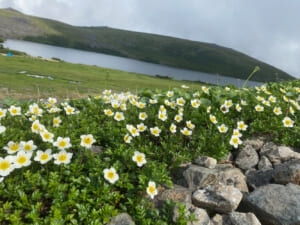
{"type": "Point", "coordinates": [120, 63]}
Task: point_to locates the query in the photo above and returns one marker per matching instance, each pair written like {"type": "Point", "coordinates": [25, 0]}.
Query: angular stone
{"type": "Point", "coordinates": [259, 178]}
{"type": "Point", "coordinates": [247, 158]}
{"type": "Point", "coordinates": [201, 217]}
{"type": "Point", "coordinates": [236, 218]}
{"type": "Point", "coordinates": [275, 204]}
{"type": "Point", "coordinates": [235, 177]}
{"type": "Point", "coordinates": [199, 177]}
{"type": "Point", "coordinates": [217, 220]}
{"type": "Point", "coordinates": [219, 198]}
{"type": "Point", "coordinates": [277, 154]}
{"type": "Point", "coordinates": [264, 163]}
{"type": "Point", "coordinates": [121, 219]}
{"type": "Point", "coordinates": [177, 194]}
{"type": "Point", "coordinates": [205, 161]}
{"type": "Point", "coordinates": [289, 172]}
{"type": "Point", "coordinates": [255, 143]}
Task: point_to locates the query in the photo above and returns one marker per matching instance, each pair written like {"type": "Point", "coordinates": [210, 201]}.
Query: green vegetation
{"type": "Point", "coordinates": [76, 188]}
{"type": "Point", "coordinates": [70, 80]}
{"type": "Point", "coordinates": [159, 49]}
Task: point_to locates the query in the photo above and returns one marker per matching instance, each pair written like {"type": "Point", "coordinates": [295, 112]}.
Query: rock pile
{"type": "Point", "coordinates": [260, 186]}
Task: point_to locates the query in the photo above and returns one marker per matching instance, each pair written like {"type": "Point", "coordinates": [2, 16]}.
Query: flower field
{"type": "Point", "coordinates": [83, 161]}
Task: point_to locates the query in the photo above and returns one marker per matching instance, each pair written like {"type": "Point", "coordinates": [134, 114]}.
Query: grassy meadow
{"type": "Point", "coordinates": [70, 80]}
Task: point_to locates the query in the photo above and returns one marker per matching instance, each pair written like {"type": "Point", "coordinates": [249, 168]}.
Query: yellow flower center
{"type": "Point", "coordinates": [14, 147]}
{"type": "Point", "coordinates": [87, 140]}
{"type": "Point", "coordinates": [1, 113]}
{"type": "Point", "coordinates": [55, 121]}
{"type": "Point", "coordinates": [119, 116]}
{"type": "Point", "coordinates": [151, 189]}
{"type": "Point", "coordinates": [186, 132]}
{"type": "Point", "coordinates": [36, 110]}
{"type": "Point", "coordinates": [44, 157]}
{"type": "Point", "coordinates": [14, 111]}
{"type": "Point", "coordinates": [69, 110]}
{"type": "Point", "coordinates": [35, 126]}
{"type": "Point", "coordinates": [288, 122]}
{"type": "Point", "coordinates": [62, 144]}
{"type": "Point", "coordinates": [47, 136]}
{"type": "Point", "coordinates": [142, 128]}
{"type": "Point", "coordinates": [212, 119]}
{"type": "Point", "coordinates": [62, 158]}
{"type": "Point", "coordinates": [4, 165]}
{"type": "Point", "coordinates": [27, 147]}
{"type": "Point", "coordinates": [222, 128]}
{"type": "Point", "coordinates": [155, 131]}
{"type": "Point", "coordinates": [110, 175]}
{"type": "Point", "coordinates": [22, 160]}
{"type": "Point", "coordinates": [139, 158]}
{"type": "Point", "coordinates": [235, 140]}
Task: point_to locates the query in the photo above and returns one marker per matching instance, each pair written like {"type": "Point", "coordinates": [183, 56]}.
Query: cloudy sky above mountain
{"type": "Point", "coordinates": [264, 29]}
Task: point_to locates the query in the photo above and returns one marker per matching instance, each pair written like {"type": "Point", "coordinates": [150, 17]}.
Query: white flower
{"type": "Point", "coordinates": [228, 103]}
{"type": "Point", "coordinates": [224, 109]}
{"type": "Point", "coordinates": [62, 157]}
{"type": "Point", "coordinates": [43, 157]}
{"type": "Point", "coordinates": [151, 189]}
{"type": "Point", "coordinates": [195, 103]}
{"type": "Point", "coordinates": [173, 128]}
{"type": "Point", "coordinates": [213, 119]}
{"type": "Point", "coordinates": [180, 101]}
{"type": "Point", "coordinates": [62, 143]}
{"type": "Point", "coordinates": [106, 92]}
{"type": "Point", "coordinates": [205, 89]}
{"type": "Point", "coordinates": [14, 111]}
{"type": "Point", "coordinates": [227, 89]}
{"type": "Point", "coordinates": [190, 125]}
{"type": "Point", "coordinates": [152, 101]}
{"type": "Point", "coordinates": [141, 105]}
{"type": "Point", "coordinates": [35, 127]}
{"type": "Point", "coordinates": [162, 115]}
{"type": "Point", "coordinates": [139, 158]}
{"type": "Point", "coordinates": [52, 100]}
{"type": "Point", "coordinates": [184, 86]}
{"type": "Point", "coordinates": [208, 109]}
{"type": "Point", "coordinates": [170, 94]}
{"type": "Point", "coordinates": [123, 107]}
{"type": "Point", "coordinates": [222, 128]}
{"type": "Point", "coordinates": [12, 147]}
{"type": "Point", "coordinates": [2, 113]}
{"type": "Point", "coordinates": [34, 109]}
{"type": "Point", "coordinates": [127, 138]}
{"type": "Point", "coordinates": [178, 118]}
{"type": "Point", "coordinates": [242, 126]}
{"type": "Point", "coordinates": [28, 146]}
{"type": "Point", "coordinates": [1, 179]}
{"type": "Point", "coordinates": [155, 131]}
{"type": "Point", "coordinates": [119, 116]}
{"type": "Point", "coordinates": [2, 129]}
{"type": "Point", "coordinates": [292, 111]}
{"type": "Point", "coordinates": [141, 127]}
{"type": "Point", "coordinates": [132, 129]}
{"type": "Point", "coordinates": [259, 108]}
{"type": "Point", "coordinates": [23, 159]}
{"type": "Point", "coordinates": [143, 116]}
{"type": "Point", "coordinates": [7, 165]}
{"type": "Point", "coordinates": [236, 132]}
{"type": "Point", "coordinates": [243, 102]}
{"type": "Point", "coordinates": [115, 104]}
{"type": "Point", "coordinates": [56, 121]}
{"type": "Point", "coordinates": [272, 99]}
{"type": "Point", "coordinates": [235, 141]}
{"type": "Point", "coordinates": [111, 175]}
{"type": "Point", "coordinates": [238, 107]}
{"type": "Point", "coordinates": [287, 122]}
{"type": "Point", "coordinates": [186, 131]}
{"type": "Point", "coordinates": [69, 110]}
{"type": "Point", "coordinates": [87, 141]}
{"type": "Point", "coordinates": [277, 111]}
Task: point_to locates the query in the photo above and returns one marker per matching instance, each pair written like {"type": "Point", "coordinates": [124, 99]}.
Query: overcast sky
{"type": "Point", "coordinates": [268, 30]}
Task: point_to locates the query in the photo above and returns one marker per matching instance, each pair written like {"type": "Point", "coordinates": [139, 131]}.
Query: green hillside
{"type": "Point", "coordinates": [159, 49]}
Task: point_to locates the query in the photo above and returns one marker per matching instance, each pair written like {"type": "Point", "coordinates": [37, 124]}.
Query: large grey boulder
{"type": "Point", "coordinates": [235, 177]}
{"type": "Point", "coordinates": [121, 219]}
{"type": "Point", "coordinates": [259, 178]}
{"type": "Point", "coordinates": [275, 204]}
{"type": "Point", "coordinates": [219, 198]}
{"type": "Point", "coordinates": [288, 172]}
{"type": "Point", "coordinates": [278, 154]}
{"type": "Point", "coordinates": [247, 158]}
{"type": "Point", "coordinates": [255, 143]}
{"type": "Point", "coordinates": [201, 217]}
{"type": "Point", "coordinates": [237, 218]}
{"type": "Point", "coordinates": [199, 177]}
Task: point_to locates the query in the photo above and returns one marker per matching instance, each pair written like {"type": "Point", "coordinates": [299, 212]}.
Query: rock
{"type": "Point", "coordinates": [201, 217]}
{"type": "Point", "coordinates": [176, 213]}
{"type": "Point", "coordinates": [199, 177]}
{"type": "Point", "coordinates": [259, 178]}
{"type": "Point", "coordinates": [278, 154]}
{"type": "Point", "coordinates": [217, 220]}
{"type": "Point", "coordinates": [264, 163]}
{"type": "Point", "coordinates": [235, 177]}
{"type": "Point", "coordinates": [205, 161]}
{"type": "Point", "coordinates": [289, 172]}
{"type": "Point", "coordinates": [224, 166]}
{"type": "Point", "coordinates": [237, 218]}
{"type": "Point", "coordinates": [275, 204]}
{"type": "Point", "coordinates": [254, 143]}
{"type": "Point", "coordinates": [177, 194]}
{"type": "Point", "coordinates": [121, 219]}
{"type": "Point", "coordinates": [219, 198]}
{"type": "Point", "coordinates": [96, 149]}
{"type": "Point", "coordinates": [177, 174]}
{"type": "Point", "coordinates": [247, 158]}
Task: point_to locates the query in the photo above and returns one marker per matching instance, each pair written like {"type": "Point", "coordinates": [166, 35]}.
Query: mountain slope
{"type": "Point", "coordinates": [159, 49]}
